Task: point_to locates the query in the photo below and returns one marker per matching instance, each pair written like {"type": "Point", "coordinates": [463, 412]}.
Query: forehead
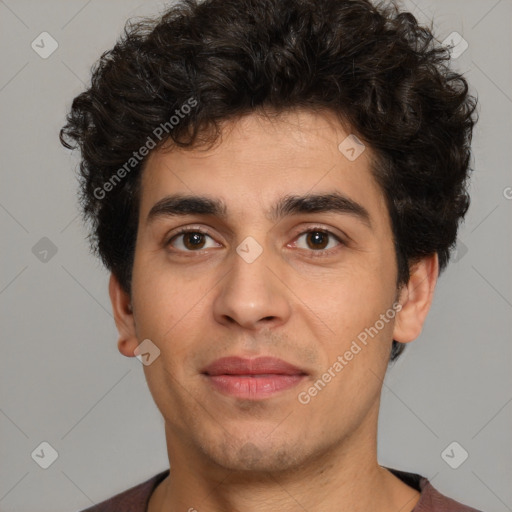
{"type": "Point", "coordinates": [258, 160]}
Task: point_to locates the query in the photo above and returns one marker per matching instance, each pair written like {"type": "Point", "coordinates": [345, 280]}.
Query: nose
{"type": "Point", "coordinates": [252, 295]}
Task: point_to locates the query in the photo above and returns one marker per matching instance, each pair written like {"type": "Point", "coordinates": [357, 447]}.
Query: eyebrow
{"type": "Point", "coordinates": [181, 205]}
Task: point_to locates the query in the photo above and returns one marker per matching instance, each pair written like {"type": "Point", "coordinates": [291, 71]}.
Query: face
{"type": "Point", "coordinates": [302, 283]}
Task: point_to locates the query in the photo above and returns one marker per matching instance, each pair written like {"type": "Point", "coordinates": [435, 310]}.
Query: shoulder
{"type": "Point", "coordinates": [430, 500]}
{"type": "Point", "coordinates": [134, 499]}
{"type": "Point", "coordinates": [433, 501]}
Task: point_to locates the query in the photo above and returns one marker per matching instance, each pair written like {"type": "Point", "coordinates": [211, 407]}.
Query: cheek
{"type": "Point", "coordinates": [161, 297]}
{"type": "Point", "coordinates": [347, 301]}
{"type": "Point", "coordinates": [173, 311]}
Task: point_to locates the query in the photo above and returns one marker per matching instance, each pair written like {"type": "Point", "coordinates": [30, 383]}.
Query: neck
{"type": "Point", "coordinates": [347, 477]}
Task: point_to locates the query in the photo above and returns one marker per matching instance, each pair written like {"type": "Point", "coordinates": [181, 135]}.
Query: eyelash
{"type": "Point", "coordinates": [314, 229]}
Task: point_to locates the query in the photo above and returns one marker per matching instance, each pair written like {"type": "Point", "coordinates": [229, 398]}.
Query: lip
{"type": "Point", "coordinates": [252, 379]}
{"type": "Point", "coordinates": [244, 366]}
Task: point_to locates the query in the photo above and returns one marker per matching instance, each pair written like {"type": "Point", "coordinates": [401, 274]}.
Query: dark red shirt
{"type": "Point", "coordinates": [136, 498]}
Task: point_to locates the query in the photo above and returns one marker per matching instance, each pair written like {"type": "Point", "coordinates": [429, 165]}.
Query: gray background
{"type": "Point", "coordinates": [63, 380]}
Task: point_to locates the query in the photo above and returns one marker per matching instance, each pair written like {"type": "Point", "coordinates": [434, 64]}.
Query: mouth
{"type": "Point", "coordinates": [252, 379]}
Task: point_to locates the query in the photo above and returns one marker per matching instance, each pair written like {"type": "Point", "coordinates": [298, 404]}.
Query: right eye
{"type": "Point", "coordinates": [190, 240]}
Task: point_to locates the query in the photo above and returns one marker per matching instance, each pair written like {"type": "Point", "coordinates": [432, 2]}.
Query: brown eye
{"type": "Point", "coordinates": [190, 241]}
{"type": "Point", "coordinates": [193, 240]}
{"type": "Point", "coordinates": [317, 240]}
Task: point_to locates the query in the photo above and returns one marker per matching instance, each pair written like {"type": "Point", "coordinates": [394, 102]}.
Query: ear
{"type": "Point", "coordinates": [123, 316]}
{"type": "Point", "coordinates": [416, 298]}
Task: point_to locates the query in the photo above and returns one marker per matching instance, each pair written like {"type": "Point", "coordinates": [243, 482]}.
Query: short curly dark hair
{"type": "Point", "coordinates": [372, 65]}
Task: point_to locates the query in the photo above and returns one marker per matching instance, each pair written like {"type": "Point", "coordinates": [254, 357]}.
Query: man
{"type": "Point", "coordinates": [274, 186]}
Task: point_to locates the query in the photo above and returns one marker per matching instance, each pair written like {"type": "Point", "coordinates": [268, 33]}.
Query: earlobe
{"type": "Point", "coordinates": [123, 316]}
{"type": "Point", "coordinates": [415, 298]}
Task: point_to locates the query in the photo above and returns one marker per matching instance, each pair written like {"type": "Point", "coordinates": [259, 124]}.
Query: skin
{"type": "Point", "coordinates": [228, 454]}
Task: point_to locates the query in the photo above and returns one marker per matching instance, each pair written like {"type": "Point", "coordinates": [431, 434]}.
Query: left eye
{"type": "Point", "coordinates": [318, 240]}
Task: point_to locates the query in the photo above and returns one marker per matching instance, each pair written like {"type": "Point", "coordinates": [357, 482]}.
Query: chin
{"type": "Point", "coordinates": [255, 455]}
